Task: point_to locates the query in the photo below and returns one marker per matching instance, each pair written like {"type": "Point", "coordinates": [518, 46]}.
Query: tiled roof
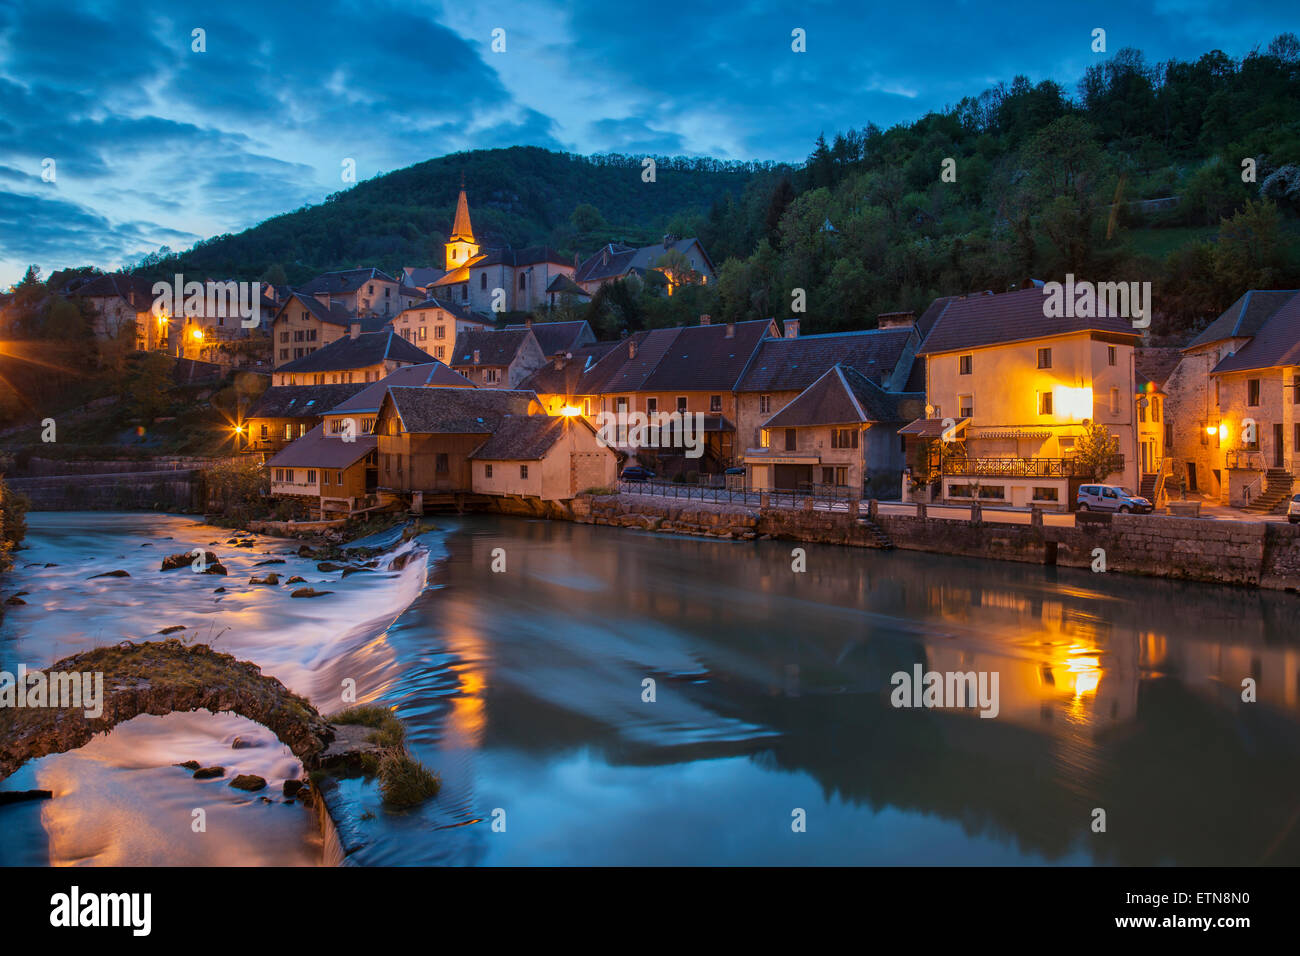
{"type": "Point", "coordinates": [1276, 343]}
{"type": "Point", "coordinates": [456, 311]}
{"type": "Point", "coordinates": [341, 283]}
{"type": "Point", "coordinates": [123, 286]}
{"type": "Point", "coordinates": [318, 450]}
{"type": "Point", "coordinates": [494, 348]}
{"type": "Point", "coordinates": [458, 411]}
{"type": "Point", "coordinates": [427, 375]}
{"type": "Point", "coordinates": [368, 348]}
{"type": "Point", "coordinates": [525, 437]}
{"type": "Point", "coordinates": [301, 401]}
{"type": "Point", "coordinates": [421, 276]}
{"type": "Point", "coordinates": [794, 364]}
{"type": "Point", "coordinates": [563, 284]}
{"type": "Point", "coordinates": [569, 378]}
{"type": "Point", "coordinates": [844, 396]}
{"type": "Point", "coordinates": [982, 320]}
{"type": "Point", "coordinates": [615, 260]}
{"type": "Point", "coordinates": [703, 357]}
{"type": "Point", "coordinates": [555, 337]}
{"type": "Point", "coordinates": [1245, 317]}
{"type": "Point", "coordinates": [335, 313]}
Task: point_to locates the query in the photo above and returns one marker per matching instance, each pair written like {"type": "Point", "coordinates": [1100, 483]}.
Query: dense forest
{"type": "Point", "coordinates": [1184, 174]}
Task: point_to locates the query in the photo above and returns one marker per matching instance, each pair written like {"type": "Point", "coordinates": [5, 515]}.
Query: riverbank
{"type": "Point", "coordinates": [1252, 554]}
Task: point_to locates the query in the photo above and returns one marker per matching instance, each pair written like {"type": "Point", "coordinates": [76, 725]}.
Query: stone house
{"type": "Point", "coordinates": [360, 357]}
{"type": "Point", "coordinates": [497, 359]}
{"type": "Point", "coordinates": [434, 324]}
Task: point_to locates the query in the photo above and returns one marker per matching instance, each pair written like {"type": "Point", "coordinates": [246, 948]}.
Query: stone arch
{"type": "Point", "coordinates": [159, 678]}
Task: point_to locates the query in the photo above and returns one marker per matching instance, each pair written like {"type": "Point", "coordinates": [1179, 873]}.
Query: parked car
{"type": "Point", "coordinates": [738, 470]}
{"type": "Point", "coordinates": [637, 473]}
{"type": "Point", "coordinates": [1112, 498]}
{"type": "Point", "coordinates": [1293, 510]}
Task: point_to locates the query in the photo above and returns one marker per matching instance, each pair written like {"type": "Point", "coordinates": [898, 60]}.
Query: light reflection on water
{"type": "Point", "coordinates": [524, 691]}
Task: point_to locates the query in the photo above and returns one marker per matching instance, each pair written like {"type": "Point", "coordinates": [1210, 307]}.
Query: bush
{"type": "Point", "coordinates": [13, 523]}
{"type": "Point", "coordinates": [238, 488]}
{"type": "Point", "coordinates": [404, 781]}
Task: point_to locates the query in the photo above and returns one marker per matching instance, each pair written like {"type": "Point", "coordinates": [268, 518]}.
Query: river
{"type": "Point", "coordinates": [770, 738]}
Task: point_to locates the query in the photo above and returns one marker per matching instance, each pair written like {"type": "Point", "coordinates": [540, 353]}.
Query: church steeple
{"type": "Point", "coordinates": [461, 246]}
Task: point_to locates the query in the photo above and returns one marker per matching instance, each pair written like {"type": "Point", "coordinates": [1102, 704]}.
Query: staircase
{"type": "Point", "coordinates": [1276, 495]}
{"type": "Point", "coordinates": [1147, 489]}
{"type": "Point", "coordinates": [877, 534]}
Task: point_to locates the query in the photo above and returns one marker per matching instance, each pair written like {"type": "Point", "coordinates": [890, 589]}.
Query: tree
{"type": "Point", "coordinates": [1096, 452]}
{"type": "Point", "coordinates": [587, 218]}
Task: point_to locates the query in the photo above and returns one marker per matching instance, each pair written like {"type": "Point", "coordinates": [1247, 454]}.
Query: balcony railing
{"type": "Point", "coordinates": [1019, 467]}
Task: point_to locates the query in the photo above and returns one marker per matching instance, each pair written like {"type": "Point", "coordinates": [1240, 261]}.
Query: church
{"type": "Point", "coordinates": [495, 280]}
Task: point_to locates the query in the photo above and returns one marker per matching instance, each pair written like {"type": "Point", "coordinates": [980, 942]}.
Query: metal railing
{"type": "Point", "coordinates": [821, 495]}
{"type": "Point", "coordinates": [1018, 467]}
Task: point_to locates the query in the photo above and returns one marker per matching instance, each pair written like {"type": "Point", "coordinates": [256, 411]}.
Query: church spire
{"type": "Point", "coordinates": [461, 228]}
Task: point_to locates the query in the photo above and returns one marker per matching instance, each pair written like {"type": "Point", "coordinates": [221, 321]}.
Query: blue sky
{"type": "Point", "coordinates": [156, 144]}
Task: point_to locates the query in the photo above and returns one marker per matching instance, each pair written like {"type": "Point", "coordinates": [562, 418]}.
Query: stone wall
{"type": "Point", "coordinates": [1247, 553]}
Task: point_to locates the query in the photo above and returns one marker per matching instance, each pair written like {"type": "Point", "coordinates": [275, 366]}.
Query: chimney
{"type": "Point", "coordinates": [354, 328]}
{"type": "Point", "coordinates": [706, 319]}
{"type": "Point", "coordinates": [731, 330]}
{"type": "Point", "coordinates": [528, 322]}
{"type": "Point", "coordinates": [791, 328]}
{"type": "Point", "coordinates": [631, 349]}
{"type": "Point", "coordinates": [559, 362]}
{"type": "Point", "coordinates": [896, 320]}
{"type": "Point", "coordinates": [476, 356]}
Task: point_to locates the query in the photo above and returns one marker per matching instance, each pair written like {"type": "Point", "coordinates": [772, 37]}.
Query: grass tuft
{"type": "Point", "coordinates": [404, 781]}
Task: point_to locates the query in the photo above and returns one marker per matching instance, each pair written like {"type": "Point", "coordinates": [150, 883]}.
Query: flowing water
{"type": "Point", "coordinates": [770, 739]}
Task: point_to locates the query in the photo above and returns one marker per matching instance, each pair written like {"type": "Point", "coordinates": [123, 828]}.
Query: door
{"type": "Point", "coordinates": [1279, 460]}
{"type": "Point", "coordinates": [790, 477]}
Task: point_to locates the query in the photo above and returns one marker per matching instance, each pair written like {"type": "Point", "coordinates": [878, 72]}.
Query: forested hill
{"type": "Point", "coordinates": [522, 195]}
{"type": "Point", "coordinates": [1185, 174]}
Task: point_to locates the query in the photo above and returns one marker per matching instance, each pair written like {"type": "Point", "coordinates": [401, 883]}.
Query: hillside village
{"type": "Point", "coordinates": [410, 391]}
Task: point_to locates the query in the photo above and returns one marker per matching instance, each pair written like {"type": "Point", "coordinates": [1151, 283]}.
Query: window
{"type": "Point", "coordinates": [371, 289]}
{"type": "Point", "coordinates": [791, 439]}
{"type": "Point", "coordinates": [1047, 494]}
{"type": "Point", "coordinates": [993, 491]}
{"type": "Point", "coordinates": [263, 431]}
{"type": "Point", "coordinates": [1044, 403]}
{"type": "Point", "coordinates": [1155, 409]}
{"type": "Point", "coordinates": [715, 403]}
{"type": "Point", "coordinates": [964, 364]}
{"type": "Point", "coordinates": [681, 404]}
{"type": "Point", "coordinates": [288, 431]}
{"type": "Point", "coordinates": [844, 438]}
{"type": "Point", "coordinates": [764, 438]}
{"type": "Point", "coordinates": [1142, 409]}
{"type": "Point", "coordinates": [284, 336]}
{"type": "Point", "coordinates": [966, 405]}
{"type": "Point", "coordinates": [440, 463]}
{"type": "Point", "coordinates": [482, 280]}
{"type": "Point", "coordinates": [440, 332]}
{"type": "Point", "coordinates": [288, 475]}
{"type": "Point", "coordinates": [959, 491]}
{"type": "Point", "coordinates": [651, 406]}
{"type": "Point", "coordinates": [302, 429]}
{"type": "Point", "coordinates": [279, 474]}
{"type": "Point", "coordinates": [284, 355]}
{"type": "Point", "coordinates": [1112, 358]}
{"type": "Point", "coordinates": [523, 281]}
{"type": "Point", "coordinates": [765, 403]}
{"type": "Point", "coordinates": [1044, 358]}
{"type": "Point", "coordinates": [1252, 392]}
{"type": "Point", "coordinates": [490, 375]}
{"type": "Point", "coordinates": [1114, 401]}
{"type": "Point", "coordinates": [338, 478]}
{"type": "Point", "coordinates": [440, 352]}
{"type": "Point", "coordinates": [523, 471]}
{"type": "Point", "coordinates": [311, 476]}
{"type": "Point", "coordinates": [487, 471]}
{"type": "Point", "coordinates": [311, 335]}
